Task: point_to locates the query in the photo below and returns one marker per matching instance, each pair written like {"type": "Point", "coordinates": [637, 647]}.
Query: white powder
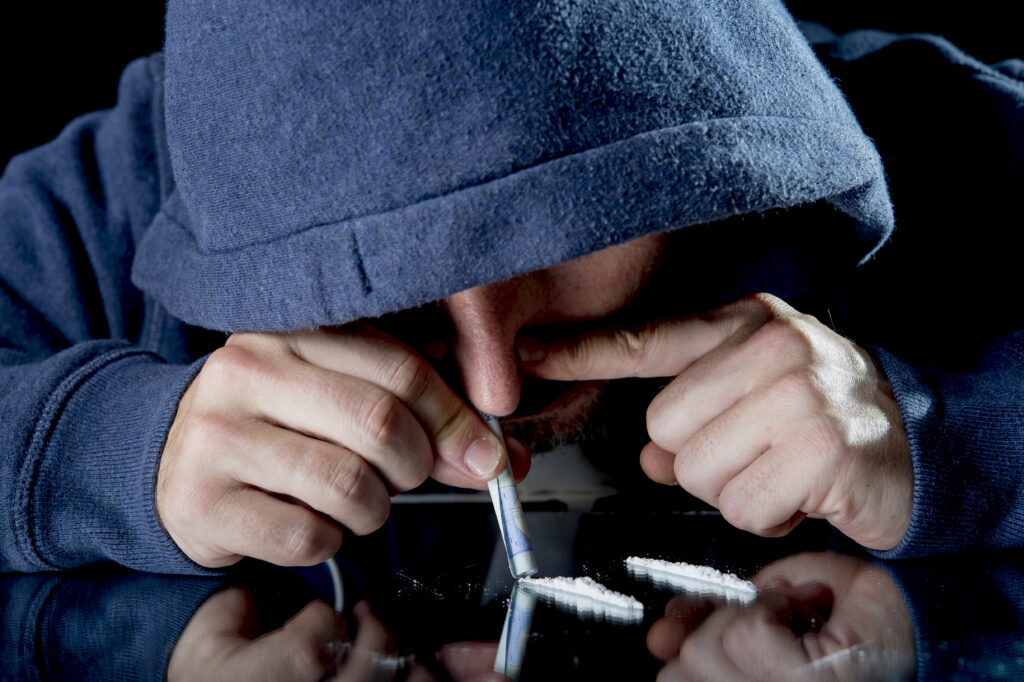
{"type": "Point", "coordinates": [586, 597]}
{"type": "Point", "coordinates": [692, 578]}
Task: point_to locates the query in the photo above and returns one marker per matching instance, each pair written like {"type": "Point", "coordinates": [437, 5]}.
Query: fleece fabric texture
{"type": "Point", "coordinates": [402, 151]}
{"type": "Point", "coordinates": [92, 366]}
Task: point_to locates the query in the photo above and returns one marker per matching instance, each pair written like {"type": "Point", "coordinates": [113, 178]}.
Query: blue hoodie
{"type": "Point", "coordinates": [288, 166]}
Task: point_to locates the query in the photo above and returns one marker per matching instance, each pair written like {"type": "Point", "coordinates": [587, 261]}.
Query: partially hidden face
{"type": "Point", "coordinates": [470, 336]}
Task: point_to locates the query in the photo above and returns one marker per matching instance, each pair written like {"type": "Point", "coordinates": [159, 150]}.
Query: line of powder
{"type": "Point", "coordinates": [586, 596]}
{"type": "Point", "coordinates": [693, 578]}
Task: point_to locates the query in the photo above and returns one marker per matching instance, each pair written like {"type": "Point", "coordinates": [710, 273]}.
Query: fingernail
{"type": "Point", "coordinates": [483, 458]}
{"type": "Point", "coordinates": [530, 350]}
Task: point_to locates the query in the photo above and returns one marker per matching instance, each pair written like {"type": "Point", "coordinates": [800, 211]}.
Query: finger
{"type": "Point", "coordinates": [772, 495]}
{"type": "Point", "coordinates": [725, 447]}
{"type": "Point", "coordinates": [255, 376]}
{"type": "Point", "coordinates": [230, 613]}
{"type": "Point", "coordinates": [763, 648]}
{"type": "Point", "coordinates": [304, 649]}
{"type": "Point", "coordinates": [683, 615]}
{"type": "Point", "coordinates": [468, 660]}
{"type": "Point", "coordinates": [658, 349]}
{"type": "Point", "coordinates": [369, 658]}
{"type": "Point", "coordinates": [354, 414]}
{"type": "Point", "coordinates": [470, 454]}
{"type": "Point", "coordinates": [249, 522]}
{"type": "Point", "coordinates": [723, 377]}
{"type": "Point", "coordinates": [658, 464]}
{"type": "Point", "coordinates": [702, 656]}
{"type": "Point", "coordinates": [665, 637]}
{"type": "Point", "coordinates": [327, 477]}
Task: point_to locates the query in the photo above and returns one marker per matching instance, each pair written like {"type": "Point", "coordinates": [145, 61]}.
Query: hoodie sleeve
{"type": "Point", "coordinates": [942, 298]}
{"type": "Point", "coordinates": [86, 398]}
{"type": "Point", "coordinates": [966, 433]}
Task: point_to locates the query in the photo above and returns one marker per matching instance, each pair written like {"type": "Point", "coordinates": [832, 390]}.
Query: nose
{"type": "Point", "coordinates": [486, 320]}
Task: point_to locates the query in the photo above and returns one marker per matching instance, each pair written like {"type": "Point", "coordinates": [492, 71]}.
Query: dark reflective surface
{"type": "Point", "coordinates": [428, 597]}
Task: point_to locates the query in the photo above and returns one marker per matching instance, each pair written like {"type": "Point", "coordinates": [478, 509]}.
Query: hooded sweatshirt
{"type": "Point", "coordinates": [285, 167]}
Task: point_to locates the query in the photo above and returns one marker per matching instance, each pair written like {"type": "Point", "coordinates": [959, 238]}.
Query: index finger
{"type": "Point", "coordinates": [659, 348]}
{"type": "Point", "coordinates": [469, 452]}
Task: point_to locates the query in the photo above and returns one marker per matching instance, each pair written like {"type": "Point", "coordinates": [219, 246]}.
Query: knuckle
{"type": "Point", "coordinates": [782, 336]}
{"type": "Point", "coordinates": [409, 377]}
{"type": "Point", "coordinates": [456, 421]}
{"type": "Point", "coordinates": [381, 416]}
{"type": "Point", "coordinates": [347, 479]}
{"type": "Point", "coordinates": [229, 366]}
{"type": "Point", "coordinates": [635, 342]}
{"type": "Point", "coordinates": [353, 481]}
{"type": "Point", "coordinates": [305, 543]}
{"type": "Point", "coordinates": [801, 383]}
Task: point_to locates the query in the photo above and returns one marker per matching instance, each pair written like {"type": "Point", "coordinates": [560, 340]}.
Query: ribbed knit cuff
{"type": "Point", "coordinates": [99, 445]}
{"type": "Point", "coordinates": [965, 442]}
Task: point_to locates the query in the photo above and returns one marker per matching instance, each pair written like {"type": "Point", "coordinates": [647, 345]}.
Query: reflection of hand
{"type": "Point", "coordinates": [219, 643]}
{"type": "Point", "coordinates": [283, 438]}
{"type": "Point", "coordinates": [818, 616]}
{"type": "Point", "coordinates": [771, 416]}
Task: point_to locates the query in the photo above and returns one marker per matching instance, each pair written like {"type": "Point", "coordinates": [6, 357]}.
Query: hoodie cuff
{"type": "Point", "coordinates": [99, 444]}
{"type": "Point", "coordinates": [966, 438]}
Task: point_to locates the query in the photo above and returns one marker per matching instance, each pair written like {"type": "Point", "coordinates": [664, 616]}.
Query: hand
{"type": "Point", "coordinates": [220, 643]}
{"type": "Point", "coordinates": [771, 416]}
{"type": "Point", "coordinates": [282, 439]}
{"type": "Point", "coordinates": [817, 616]}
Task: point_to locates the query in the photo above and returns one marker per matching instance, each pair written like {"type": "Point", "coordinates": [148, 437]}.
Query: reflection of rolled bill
{"type": "Point", "coordinates": [512, 645]}
{"type": "Point", "coordinates": [505, 497]}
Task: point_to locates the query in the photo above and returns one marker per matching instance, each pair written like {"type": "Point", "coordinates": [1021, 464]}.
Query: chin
{"type": "Point", "coordinates": [554, 413]}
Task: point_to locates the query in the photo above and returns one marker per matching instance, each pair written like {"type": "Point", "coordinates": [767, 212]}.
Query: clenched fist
{"type": "Point", "coordinates": [770, 416]}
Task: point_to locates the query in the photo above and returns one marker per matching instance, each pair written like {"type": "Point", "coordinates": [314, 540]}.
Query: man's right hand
{"type": "Point", "coordinates": [283, 439]}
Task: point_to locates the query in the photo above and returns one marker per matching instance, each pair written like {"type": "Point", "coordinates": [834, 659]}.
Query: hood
{"type": "Point", "coordinates": [340, 160]}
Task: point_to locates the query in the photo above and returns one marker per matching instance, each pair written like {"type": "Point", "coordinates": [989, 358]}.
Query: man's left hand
{"type": "Point", "coordinates": [770, 416]}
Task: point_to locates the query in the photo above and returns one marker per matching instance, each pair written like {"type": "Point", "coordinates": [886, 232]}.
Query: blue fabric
{"type": "Point", "coordinates": [100, 627]}
{"type": "Point", "coordinates": [91, 369]}
{"type": "Point", "coordinates": [499, 143]}
{"type": "Point", "coordinates": [939, 302]}
{"type": "Point", "coordinates": [975, 629]}
{"type": "Point", "coordinates": [402, 151]}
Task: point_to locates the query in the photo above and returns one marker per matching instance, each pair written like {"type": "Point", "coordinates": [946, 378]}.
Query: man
{"type": "Point", "coordinates": [280, 174]}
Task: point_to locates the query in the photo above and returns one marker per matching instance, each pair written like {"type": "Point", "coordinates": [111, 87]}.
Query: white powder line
{"type": "Point", "coordinates": [692, 578]}
{"type": "Point", "coordinates": [586, 597]}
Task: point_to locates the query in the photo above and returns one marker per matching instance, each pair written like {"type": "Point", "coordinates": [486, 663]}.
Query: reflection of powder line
{"type": "Point", "coordinates": [586, 597]}
{"type": "Point", "coordinates": [692, 578]}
